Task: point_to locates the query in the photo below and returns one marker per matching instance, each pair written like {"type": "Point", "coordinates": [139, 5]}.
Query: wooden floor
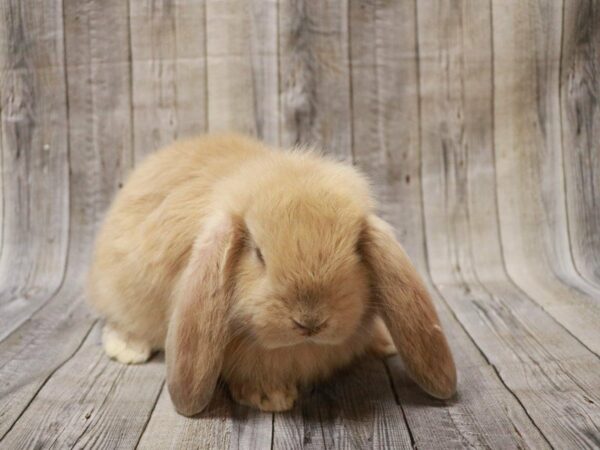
{"type": "Point", "coordinates": [526, 381]}
{"type": "Point", "coordinates": [478, 123]}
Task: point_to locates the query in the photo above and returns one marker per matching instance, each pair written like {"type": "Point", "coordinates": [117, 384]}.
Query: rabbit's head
{"type": "Point", "coordinates": [302, 278]}
{"type": "Point", "coordinates": [293, 254]}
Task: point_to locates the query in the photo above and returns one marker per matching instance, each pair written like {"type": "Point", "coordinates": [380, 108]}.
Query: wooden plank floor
{"type": "Point", "coordinates": [477, 122]}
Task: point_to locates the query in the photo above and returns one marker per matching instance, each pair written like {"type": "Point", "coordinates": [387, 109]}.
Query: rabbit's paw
{"type": "Point", "coordinates": [264, 398]}
{"type": "Point", "coordinates": [382, 348]}
{"type": "Point", "coordinates": [382, 344]}
{"type": "Point", "coordinates": [123, 348]}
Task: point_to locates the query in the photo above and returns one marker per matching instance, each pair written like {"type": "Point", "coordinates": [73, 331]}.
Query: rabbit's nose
{"type": "Point", "coordinates": [309, 326]}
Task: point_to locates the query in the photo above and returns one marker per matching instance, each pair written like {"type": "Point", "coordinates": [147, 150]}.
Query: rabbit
{"type": "Point", "coordinates": [265, 268]}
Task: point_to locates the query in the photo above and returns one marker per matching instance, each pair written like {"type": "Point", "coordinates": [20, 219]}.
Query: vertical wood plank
{"type": "Point", "coordinates": [99, 90]}
{"type": "Point", "coordinates": [528, 127]}
{"type": "Point", "coordinates": [455, 47]}
{"type": "Point", "coordinates": [168, 51]}
{"type": "Point", "coordinates": [264, 56]}
{"type": "Point", "coordinates": [385, 104]}
{"type": "Point", "coordinates": [230, 86]}
{"type": "Point", "coordinates": [33, 130]}
{"type": "Point", "coordinates": [315, 75]}
{"type": "Point", "coordinates": [243, 78]}
{"type": "Point", "coordinates": [580, 120]}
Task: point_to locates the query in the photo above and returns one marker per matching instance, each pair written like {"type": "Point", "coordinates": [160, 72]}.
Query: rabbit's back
{"type": "Point", "coordinates": [149, 230]}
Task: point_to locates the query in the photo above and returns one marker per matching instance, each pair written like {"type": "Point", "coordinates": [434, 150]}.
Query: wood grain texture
{"type": "Point", "coordinates": [483, 416]}
{"type": "Point", "coordinates": [251, 428]}
{"type": "Point", "coordinates": [569, 386]}
{"type": "Point", "coordinates": [504, 323]}
{"type": "Point", "coordinates": [385, 102]}
{"type": "Point", "coordinates": [477, 124]}
{"type": "Point", "coordinates": [53, 334]}
{"type": "Point", "coordinates": [529, 174]}
{"type": "Point", "coordinates": [243, 79]}
{"type": "Point", "coordinates": [33, 131]}
{"type": "Point", "coordinates": [222, 425]}
{"type": "Point", "coordinates": [168, 65]}
{"type": "Point", "coordinates": [32, 353]}
{"type": "Point", "coordinates": [580, 122]}
{"type": "Point", "coordinates": [86, 396]}
{"type": "Point", "coordinates": [455, 45]}
{"type": "Point", "coordinates": [315, 75]}
{"type": "Point", "coordinates": [99, 93]}
{"type": "Point", "coordinates": [264, 57]}
{"type": "Point", "coordinates": [167, 429]}
{"type": "Point", "coordinates": [356, 410]}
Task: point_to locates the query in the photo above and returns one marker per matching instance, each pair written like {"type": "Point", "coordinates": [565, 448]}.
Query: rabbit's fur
{"type": "Point", "coordinates": [263, 267]}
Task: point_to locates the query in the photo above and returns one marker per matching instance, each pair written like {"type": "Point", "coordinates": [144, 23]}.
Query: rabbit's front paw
{"type": "Point", "coordinates": [382, 344]}
{"type": "Point", "coordinates": [123, 348]}
{"type": "Point", "coordinates": [264, 398]}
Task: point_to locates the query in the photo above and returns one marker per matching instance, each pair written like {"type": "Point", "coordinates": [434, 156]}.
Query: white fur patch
{"type": "Point", "coordinates": [124, 350]}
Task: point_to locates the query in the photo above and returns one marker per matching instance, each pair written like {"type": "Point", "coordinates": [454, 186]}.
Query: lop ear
{"type": "Point", "coordinates": [198, 330]}
{"type": "Point", "coordinates": [408, 311]}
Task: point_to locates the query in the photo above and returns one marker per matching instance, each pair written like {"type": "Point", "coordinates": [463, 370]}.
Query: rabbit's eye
{"type": "Point", "coordinates": [259, 255]}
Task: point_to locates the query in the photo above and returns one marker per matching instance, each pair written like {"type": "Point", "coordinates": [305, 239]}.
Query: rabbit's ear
{"type": "Point", "coordinates": [408, 311]}
{"type": "Point", "coordinates": [199, 329]}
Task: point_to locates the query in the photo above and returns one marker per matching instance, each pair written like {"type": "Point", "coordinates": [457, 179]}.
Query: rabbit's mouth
{"type": "Point", "coordinates": [292, 337]}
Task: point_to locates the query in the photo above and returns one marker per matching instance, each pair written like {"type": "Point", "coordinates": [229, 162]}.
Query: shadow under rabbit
{"type": "Point", "coordinates": [355, 393]}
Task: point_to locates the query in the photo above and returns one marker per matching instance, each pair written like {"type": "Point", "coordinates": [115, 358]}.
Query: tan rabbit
{"type": "Point", "coordinates": [263, 267]}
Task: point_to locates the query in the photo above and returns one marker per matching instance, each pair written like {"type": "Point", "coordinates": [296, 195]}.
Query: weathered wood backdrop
{"type": "Point", "coordinates": [478, 122]}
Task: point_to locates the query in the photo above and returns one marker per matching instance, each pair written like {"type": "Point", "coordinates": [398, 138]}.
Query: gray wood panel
{"type": "Point", "coordinates": [315, 104]}
{"type": "Point", "coordinates": [477, 123]}
{"type": "Point", "coordinates": [167, 49]}
{"type": "Point", "coordinates": [385, 124]}
{"type": "Point", "coordinates": [580, 122]}
{"type": "Point", "coordinates": [243, 79]}
{"type": "Point", "coordinates": [34, 144]}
